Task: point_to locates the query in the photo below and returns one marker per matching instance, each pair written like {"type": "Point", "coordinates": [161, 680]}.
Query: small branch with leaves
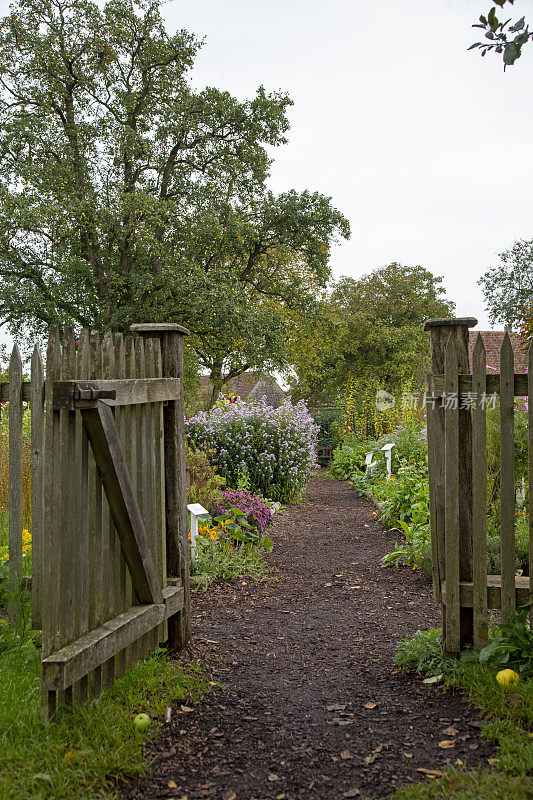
{"type": "Point", "coordinates": [499, 36]}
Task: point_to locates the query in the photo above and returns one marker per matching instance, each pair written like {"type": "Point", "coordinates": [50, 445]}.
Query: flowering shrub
{"type": "Point", "coordinates": [256, 510]}
{"type": "Point", "coordinates": [274, 447]}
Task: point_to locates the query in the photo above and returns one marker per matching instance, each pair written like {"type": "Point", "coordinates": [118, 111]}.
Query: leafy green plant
{"type": "Point", "coordinates": [423, 653]}
{"type": "Point", "coordinates": [513, 645]}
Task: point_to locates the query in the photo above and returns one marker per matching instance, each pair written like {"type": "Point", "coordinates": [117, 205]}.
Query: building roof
{"type": "Point", "coordinates": [250, 384]}
{"type": "Point", "coordinates": [493, 341]}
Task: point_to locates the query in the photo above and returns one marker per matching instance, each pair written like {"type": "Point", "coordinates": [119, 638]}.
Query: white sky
{"type": "Point", "coordinates": [425, 147]}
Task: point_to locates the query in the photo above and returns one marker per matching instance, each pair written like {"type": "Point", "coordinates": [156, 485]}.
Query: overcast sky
{"type": "Point", "coordinates": [425, 147]}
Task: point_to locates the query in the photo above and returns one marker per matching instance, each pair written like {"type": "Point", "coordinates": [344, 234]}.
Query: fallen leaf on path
{"type": "Point", "coordinates": [450, 731]}
{"type": "Point", "coordinates": [370, 705]}
{"type": "Point", "coordinates": [492, 761]}
{"type": "Point", "coordinates": [346, 755]}
{"type": "Point", "coordinates": [431, 773]}
{"type": "Point", "coordinates": [434, 679]}
{"type": "Point", "coordinates": [229, 794]}
{"type": "Point", "coordinates": [273, 777]}
{"type": "Point", "coordinates": [186, 709]}
{"type": "Point", "coordinates": [352, 793]}
{"type": "Point", "coordinates": [446, 744]}
{"type": "Point", "coordinates": [375, 754]}
{"type": "Point", "coordinates": [336, 707]}
{"type": "Point", "coordinates": [172, 785]}
{"type": "Point", "coordinates": [407, 755]}
{"type": "Point", "coordinates": [459, 762]}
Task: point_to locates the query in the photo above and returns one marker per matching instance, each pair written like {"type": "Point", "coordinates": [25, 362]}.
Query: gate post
{"type": "Point", "coordinates": [177, 523]}
{"type": "Point", "coordinates": [440, 331]}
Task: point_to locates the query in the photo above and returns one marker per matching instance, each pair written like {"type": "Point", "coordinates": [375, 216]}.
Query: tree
{"type": "Point", "coordinates": [497, 34]}
{"type": "Point", "coordinates": [127, 196]}
{"type": "Point", "coordinates": [508, 287]}
{"type": "Point", "coordinates": [375, 327]}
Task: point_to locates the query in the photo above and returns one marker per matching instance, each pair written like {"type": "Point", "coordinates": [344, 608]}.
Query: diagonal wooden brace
{"type": "Point", "coordinates": [111, 464]}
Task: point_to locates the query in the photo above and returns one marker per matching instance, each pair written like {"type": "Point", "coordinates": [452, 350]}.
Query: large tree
{"type": "Point", "coordinates": [374, 328]}
{"type": "Point", "coordinates": [127, 196]}
{"type": "Point", "coordinates": [508, 287]}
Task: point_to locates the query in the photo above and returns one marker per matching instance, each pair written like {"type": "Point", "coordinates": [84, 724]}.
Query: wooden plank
{"type": "Point", "coordinates": [452, 634]}
{"type": "Point", "coordinates": [81, 608]}
{"type": "Point", "coordinates": [15, 485]}
{"type": "Point", "coordinates": [122, 578]}
{"type": "Point", "coordinates": [37, 482]}
{"type": "Point", "coordinates": [49, 587]}
{"type": "Point", "coordinates": [144, 644]}
{"type": "Point", "coordinates": [67, 574]}
{"type": "Point", "coordinates": [71, 663]}
{"type": "Point", "coordinates": [520, 385]}
{"type": "Point", "coordinates": [479, 495]}
{"type": "Point", "coordinates": [507, 481]}
{"type": "Point", "coordinates": [433, 468]}
{"type": "Point", "coordinates": [150, 478]}
{"type": "Point", "coordinates": [130, 449]}
{"type": "Point", "coordinates": [110, 461]}
{"type": "Point", "coordinates": [493, 591]}
{"type": "Point", "coordinates": [530, 463]}
{"type": "Point", "coordinates": [138, 391]}
{"type": "Point", "coordinates": [160, 483]}
{"type": "Point", "coordinates": [95, 500]}
{"type": "Point", "coordinates": [27, 394]}
{"type": "Point", "coordinates": [153, 328]}
{"type": "Point", "coordinates": [109, 535]}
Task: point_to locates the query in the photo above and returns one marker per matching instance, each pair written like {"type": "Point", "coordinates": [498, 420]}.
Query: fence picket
{"type": "Point", "coordinates": [49, 592]}
{"type": "Point", "coordinates": [452, 632]}
{"type": "Point", "coordinates": [131, 453]}
{"type": "Point", "coordinates": [530, 461]}
{"type": "Point", "coordinates": [479, 493]}
{"type": "Point", "coordinates": [95, 523]}
{"type": "Point", "coordinates": [160, 481]}
{"type": "Point", "coordinates": [15, 482]}
{"type": "Point", "coordinates": [142, 466]}
{"type": "Point", "coordinates": [67, 574]}
{"type": "Point", "coordinates": [109, 546]}
{"type": "Point", "coordinates": [37, 495]}
{"type": "Point", "coordinates": [507, 482]}
{"type": "Point", "coordinates": [81, 613]}
{"type": "Point", "coordinates": [122, 578]}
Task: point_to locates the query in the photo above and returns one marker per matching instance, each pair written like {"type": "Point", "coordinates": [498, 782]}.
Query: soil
{"type": "Point", "coordinates": [311, 704]}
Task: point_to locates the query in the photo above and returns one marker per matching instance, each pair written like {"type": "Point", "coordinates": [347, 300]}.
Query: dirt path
{"type": "Point", "coordinates": [300, 658]}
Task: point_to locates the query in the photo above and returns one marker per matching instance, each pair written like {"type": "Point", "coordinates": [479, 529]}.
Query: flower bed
{"type": "Point", "coordinates": [271, 451]}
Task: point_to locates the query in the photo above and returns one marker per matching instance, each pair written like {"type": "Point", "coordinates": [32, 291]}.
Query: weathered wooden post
{"type": "Point", "coordinates": [440, 331]}
{"type": "Point", "coordinates": [177, 523]}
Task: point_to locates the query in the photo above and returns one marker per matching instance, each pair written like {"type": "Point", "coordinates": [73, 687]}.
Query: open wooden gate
{"type": "Point", "coordinates": [114, 582]}
{"type": "Point", "coordinates": [458, 395]}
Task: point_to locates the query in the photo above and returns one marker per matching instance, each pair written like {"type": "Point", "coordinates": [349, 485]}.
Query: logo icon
{"type": "Point", "coordinates": [384, 400]}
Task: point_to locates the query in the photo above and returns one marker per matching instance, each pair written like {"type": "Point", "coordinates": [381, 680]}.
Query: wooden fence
{"type": "Point", "coordinates": [458, 395]}
{"type": "Point", "coordinates": [109, 512]}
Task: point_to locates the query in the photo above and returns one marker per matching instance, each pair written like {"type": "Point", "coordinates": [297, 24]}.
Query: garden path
{"type": "Point", "coordinates": [312, 706]}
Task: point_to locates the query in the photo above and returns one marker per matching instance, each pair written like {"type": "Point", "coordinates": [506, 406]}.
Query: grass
{"type": "Point", "coordinates": [88, 749]}
{"type": "Point", "coordinates": [509, 724]}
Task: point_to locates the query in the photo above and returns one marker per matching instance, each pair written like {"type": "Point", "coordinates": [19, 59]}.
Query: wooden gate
{"type": "Point", "coordinates": [114, 581]}
{"type": "Point", "coordinates": [458, 395]}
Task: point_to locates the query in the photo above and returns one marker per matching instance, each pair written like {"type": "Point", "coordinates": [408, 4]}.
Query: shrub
{"type": "Point", "coordinates": [258, 513]}
{"type": "Point", "coordinates": [205, 485]}
{"type": "Point", "coordinates": [274, 448]}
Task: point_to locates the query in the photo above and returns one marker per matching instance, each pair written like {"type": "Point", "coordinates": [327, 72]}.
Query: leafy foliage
{"type": "Point", "coordinates": [513, 646]}
{"type": "Point", "coordinates": [508, 287]}
{"type": "Point", "coordinates": [127, 196]}
{"type": "Point", "coordinates": [276, 447]}
{"type": "Point", "coordinates": [498, 35]}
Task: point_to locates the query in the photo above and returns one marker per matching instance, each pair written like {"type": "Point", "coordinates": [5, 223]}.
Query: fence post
{"type": "Point", "coordinates": [177, 523]}
{"type": "Point", "coordinates": [440, 331]}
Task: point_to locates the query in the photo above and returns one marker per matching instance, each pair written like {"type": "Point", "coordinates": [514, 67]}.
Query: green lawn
{"type": "Point", "coordinates": [88, 748]}
{"type": "Point", "coordinates": [509, 716]}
